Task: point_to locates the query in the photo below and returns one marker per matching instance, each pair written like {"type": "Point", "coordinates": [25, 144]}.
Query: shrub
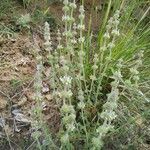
{"type": "Point", "coordinates": [94, 91]}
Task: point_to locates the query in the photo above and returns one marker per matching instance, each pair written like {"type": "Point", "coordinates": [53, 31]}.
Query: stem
{"type": "Point", "coordinates": [85, 129]}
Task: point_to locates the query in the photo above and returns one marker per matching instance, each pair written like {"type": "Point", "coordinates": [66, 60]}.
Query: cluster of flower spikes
{"type": "Point", "coordinates": [37, 109]}
{"type": "Point", "coordinates": [81, 55]}
{"type": "Point", "coordinates": [69, 22]}
{"type": "Point", "coordinates": [112, 32]}
{"type": "Point", "coordinates": [134, 70]}
{"type": "Point", "coordinates": [67, 110]}
{"type": "Point", "coordinates": [108, 114]}
{"type": "Point", "coordinates": [47, 38]}
{"type": "Point", "coordinates": [81, 39]}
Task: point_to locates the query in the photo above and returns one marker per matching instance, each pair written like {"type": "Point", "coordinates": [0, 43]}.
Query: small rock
{"type": "Point", "coordinates": [21, 118]}
{"type": "Point", "coordinates": [18, 116]}
{"type": "Point", "coordinates": [16, 111]}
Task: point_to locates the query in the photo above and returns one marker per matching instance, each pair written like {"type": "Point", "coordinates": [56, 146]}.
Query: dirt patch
{"type": "Point", "coordinates": [17, 70]}
{"type": "Point", "coordinates": [17, 63]}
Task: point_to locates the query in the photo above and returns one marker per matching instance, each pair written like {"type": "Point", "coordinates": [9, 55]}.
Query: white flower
{"type": "Point", "coordinates": [116, 15]}
{"type": "Point", "coordinates": [81, 9]}
{"type": "Point", "coordinates": [140, 54]}
{"type": "Point", "coordinates": [70, 127]}
{"type": "Point", "coordinates": [95, 58]}
{"type": "Point", "coordinates": [46, 32]}
{"type": "Point", "coordinates": [65, 8]}
{"type": "Point", "coordinates": [95, 67]}
{"type": "Point", "coordinates": [63, 61]}
{"type": "Point", "coordinates": [92, 77]}
{"type": "Point", "coordinates": [113, 96]}
{"type": "Point", "coordinates": [59, 38]}
{"type": "Point", "coordinates": [119, 64]}
{"type": "Point", "coordinates": [110, 21]}
{"type": "Point", "coordinates": [64, 138]}
{"type": "Point", "coordinates": [69, 119]}
{"type": "Point", "coordinates": [66, 109]}
{"type": "Point", "coordinates": [65, 68]}
{"type": "Point", "coordinates": [66, 18]}
{"type": "Point", "coordinates": [139, 62]}
{"type": "Point", "coordinates": [108, 115]}
{"type": "Point", "coordinates": [59, 47]}
{"type": "Point", "coordinates": [108, 27]}
{"type": "Point", "coordinates": [65, 2]}
{"type": "Point", "coordinates": [104, 129]}
{"type": "Point", "coordinates": [81, 105]}
{"type": "Point", "coordinates": [81, 97]}
{"type": "Point", "coordinates": [134, 71]}
{"type": "Point", "coordinates": [81, 16]}
{"type": "Point", "coordinates": [136, 78]}
{"type": "Point", "coordinates": [97, 143]}
{"type": "Point", "coordinates": [106, 35]}
{"type": "Point", "coordinates": [67, 34]}
{"type": "Point", "coordinates": [103, 48]}
{"type": "Point", "coordinates": [117, 75]}
{"type": "Point", "coordinates": [110, 105]}
{"type": "Point", "coordinates": [116, 22]}
{"type": "Point", "coordinates": [74, 26]}
{"type": "Point", "coordinates": [73, 5]}
{"type": "Point", "coordinates": [73, 41]}
{"type": "Point", "coordinates": [66, 80]}
{"type": "Point", "coordinates": [81, 27]}
{"type": "Point", "coordinates": [108, 58]}
{"type": "Point", "coordinates": [111, 45]}
{"type": "Point", "coordinates": [115, 32]}
{"type": "Point", "coordinates": [47, 46]}
{"type": "Point", "coordinates": [80, 77]}
{"type": "Point", "coordinates": [81, 39]}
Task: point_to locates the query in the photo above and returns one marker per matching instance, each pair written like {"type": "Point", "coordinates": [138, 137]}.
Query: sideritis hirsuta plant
{"type": "Point", "coordinates": [87, 110]}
